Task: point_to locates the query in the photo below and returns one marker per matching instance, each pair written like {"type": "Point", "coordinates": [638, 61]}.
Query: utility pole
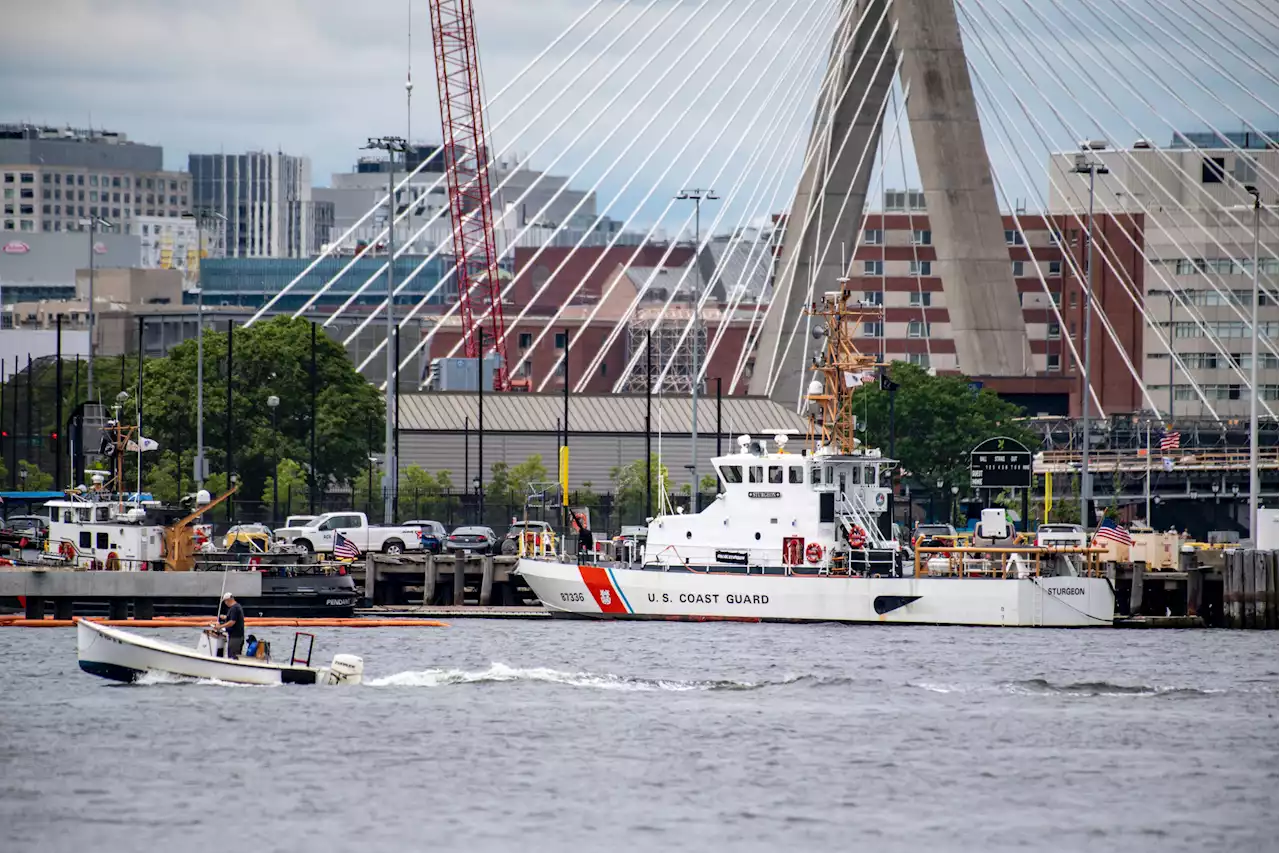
{"type": "Point", "coordinates": [1086, 165]}
{"type": "Point", "coordinates": [697, 195]}
{"type": "Point", "coordinates": [392, 145]}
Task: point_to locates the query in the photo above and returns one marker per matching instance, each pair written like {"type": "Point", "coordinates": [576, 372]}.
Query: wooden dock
{"type": "Point", "coordinates": [435, 581]}
{"type": "Point", "coordinates": [1216, 588]}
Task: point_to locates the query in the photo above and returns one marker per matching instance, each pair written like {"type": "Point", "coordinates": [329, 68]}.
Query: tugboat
{"type": "Point", "coordinates": [100, 527]}
{"type": "Point", "coordinates": [795, 537]}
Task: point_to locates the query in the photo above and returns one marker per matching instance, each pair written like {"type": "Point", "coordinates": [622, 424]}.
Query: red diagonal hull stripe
{"type": "Point", "coordinates": [597, 580]}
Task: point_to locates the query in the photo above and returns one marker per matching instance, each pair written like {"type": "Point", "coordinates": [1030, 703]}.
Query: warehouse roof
{"type": "Point", "coordinates": [600, 413]}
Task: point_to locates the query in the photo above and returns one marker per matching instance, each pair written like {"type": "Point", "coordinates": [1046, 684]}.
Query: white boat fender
{"type": "Point", "coordinates": [345, 669]}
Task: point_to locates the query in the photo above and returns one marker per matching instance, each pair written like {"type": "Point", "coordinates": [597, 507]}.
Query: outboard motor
{"type": "Point", "coordinates": [345, 669]}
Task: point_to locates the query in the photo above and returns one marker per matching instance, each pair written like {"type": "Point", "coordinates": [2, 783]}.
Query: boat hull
{"type": "Point", "coordinates": [122, 656]}
{"type": "Point", "coordinates": [602, 592]}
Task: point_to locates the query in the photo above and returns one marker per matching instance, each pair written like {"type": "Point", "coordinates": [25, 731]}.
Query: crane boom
{"type": "Point", "coordinates": [466, 171]}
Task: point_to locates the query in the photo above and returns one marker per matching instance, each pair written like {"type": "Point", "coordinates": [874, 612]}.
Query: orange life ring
{"type": "Point", "coordinates": [113, 562]}
{"type": "Point", "coordinates": [857, 537]}
{"type": "Point", "coordinates": [66, 550]}
{"type": "Point", "coordinates": [255, 561]}
{"type": "Point", "coordinates": [813, 552]}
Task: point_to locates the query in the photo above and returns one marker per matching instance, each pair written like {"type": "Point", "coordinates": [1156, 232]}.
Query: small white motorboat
{"type": "Point", "coordinates": [124, 656]}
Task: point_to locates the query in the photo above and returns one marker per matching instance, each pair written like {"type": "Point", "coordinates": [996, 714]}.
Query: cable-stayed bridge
{"type": "Point", "coordinates": [928, 150]}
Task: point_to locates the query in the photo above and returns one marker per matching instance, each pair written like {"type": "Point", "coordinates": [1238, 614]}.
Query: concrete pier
{"type": "Point", "coordinates": [61, 590]}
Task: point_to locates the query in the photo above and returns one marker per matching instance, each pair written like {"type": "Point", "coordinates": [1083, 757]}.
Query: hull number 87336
{"type": "Point", "coordinates": [572, 596]}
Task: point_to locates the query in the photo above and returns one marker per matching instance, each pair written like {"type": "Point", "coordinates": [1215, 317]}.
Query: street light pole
{"type": "Point", "coordinates": [697, 195]}
{"type": "Point", "coordinates": [273, 403]}
{"type": "Point", "coordinates": [202, 217]}
{"type": "Point", "coordinates": [392, 145]}
{"type": "Point", "coordinates": [1254, 390]}
{"type": "Point", "coordinates": [92, 225]}
{"type": "Point", "coordinates": [1084, 165]}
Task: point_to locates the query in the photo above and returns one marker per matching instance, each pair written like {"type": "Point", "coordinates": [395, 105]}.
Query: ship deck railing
{"type": "Point", "coordinates": [1004, 562]}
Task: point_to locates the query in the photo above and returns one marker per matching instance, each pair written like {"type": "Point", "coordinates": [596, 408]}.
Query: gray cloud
{"type": "Point", "coordinates": [317, 77]}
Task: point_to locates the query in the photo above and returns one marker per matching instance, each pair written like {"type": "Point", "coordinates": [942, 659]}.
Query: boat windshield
{"type": "Point", "coordinates": [731, 473]}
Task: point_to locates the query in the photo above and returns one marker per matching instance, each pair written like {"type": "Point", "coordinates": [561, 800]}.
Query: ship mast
{"type": "Point", "coordinates": [838, 369]}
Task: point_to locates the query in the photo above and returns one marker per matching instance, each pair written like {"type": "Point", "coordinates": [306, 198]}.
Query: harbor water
{"type": "Point", "coordinates": [653, 736]}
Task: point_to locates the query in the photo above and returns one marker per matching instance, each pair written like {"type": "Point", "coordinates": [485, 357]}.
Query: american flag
{"type": "Point", "coordinates": [344, 548]}
{"type": "Point", "coordinates": [1171, 440]}
{"type": "Point", "coordinates": [1109, 531]}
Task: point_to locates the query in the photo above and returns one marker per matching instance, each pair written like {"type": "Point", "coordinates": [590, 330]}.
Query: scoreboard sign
{"type": "Point", "coordinates": [1000, 463]}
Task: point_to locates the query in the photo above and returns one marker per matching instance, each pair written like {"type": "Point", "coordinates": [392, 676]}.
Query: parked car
{"type": "Point", "coordinates": [33, 528]}
{"type": "Point", "coordinates": [249, 538]}
{"type": "Point", "coordinates": [479, 539]}
{"type": "Point", "coordinates": [432, 534]}
{"type": "Point", "coordinates": [292, 527]}
{"type": "Point", "coordinates": [511, 542]}
{"type": "Point", "coordinates": [320, 534]}
{"type": "Point", "coordinates": [926, 533]}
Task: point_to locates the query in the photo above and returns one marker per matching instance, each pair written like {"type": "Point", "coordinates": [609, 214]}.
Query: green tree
{"type": "Point", "coordinates": [419, 492]}
{"type": "Point", "coordinates": [293, 495]}
{"type": "Point", "coordinates": [160, 476]}
{"type": "Point", "coordinates": [529, 472]}
{"type": "Point", "coordinates": [271, 358]}
{"type": "Point", "coordinates": [500, 490]}
{"type": "Point", "coordinates": [34, 480]}
{"type": "Point", "coordinates": [629, 488]}
{"type": "Point", "coordinates": [939, 419]}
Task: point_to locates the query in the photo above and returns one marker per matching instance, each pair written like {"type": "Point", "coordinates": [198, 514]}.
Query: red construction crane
{"type": "Point", "coordinates": [453, 31]}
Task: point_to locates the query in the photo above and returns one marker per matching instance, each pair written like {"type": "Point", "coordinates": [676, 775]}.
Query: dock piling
{"type": "Point", "coordinates": [1135, 589]}
{"type": "Point", "coordinates": [459, 576]}
{"type": "Point", "coordinates": [486, 580]}
{"type": "Point", "coordinates": [430, 575]}
{"type": "Point", "coordinates": [1251, 562]}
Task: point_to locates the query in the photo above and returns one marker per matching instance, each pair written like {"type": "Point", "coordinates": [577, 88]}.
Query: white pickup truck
{"type": "Point", "coordinates": [318, 535]}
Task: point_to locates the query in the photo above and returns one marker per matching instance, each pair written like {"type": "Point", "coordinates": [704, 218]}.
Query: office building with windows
{"type": "Point", "coordinates": [1197, 231]}
{"type": "Point", "coordinates": [893, 266]}
{"type": "Point", "coordinates": [54, 178]}
{"type": "Point", "coordinates": [266, 200]}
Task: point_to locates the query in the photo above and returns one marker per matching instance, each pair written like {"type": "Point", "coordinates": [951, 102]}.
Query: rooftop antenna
{"type": "Point", "coordinates": [408, 87]}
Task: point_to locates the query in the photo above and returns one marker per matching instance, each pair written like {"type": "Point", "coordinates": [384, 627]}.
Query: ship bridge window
{"type": "Point", "coordinates": [816, 475]}
{"type": "Point", "coordinates": [775, 473]}
{"type": "Point", "coordinates": [796, 474]}
{"type": "Point", "coordinates": [66, 516]}
{"type": "Point", "coordinates": [870, 477]}
{"type": "Point", "coordinates": [853, 479]}
{"type": "Point", "coordinates": [102, 513]}
{"type": "Point", "coordinates": [756, 474]}
{"type": "Point", "coordinates": [83, 514]}
{"type": "Point", "coordinates": [831, 477]}
{"type": "Point", "coordinates": [731, 473]}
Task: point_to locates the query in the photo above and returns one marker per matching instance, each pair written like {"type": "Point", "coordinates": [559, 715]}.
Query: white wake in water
{"type": "Point", "coordinates": [154, 678]}
{"type": "Point", "coordinates": [501, 672]}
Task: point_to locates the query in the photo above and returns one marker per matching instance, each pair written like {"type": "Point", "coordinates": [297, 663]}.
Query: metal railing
{"type": "Point", "coordinates": [969, 562]}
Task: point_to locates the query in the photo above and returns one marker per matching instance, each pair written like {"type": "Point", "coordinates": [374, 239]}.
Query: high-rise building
{"type": "Point", "coordinates": [1190, 211]}
{"type": "Point", "coordinates": [55, 177]}
{"type": "Point", "coordinates": [266, 200]}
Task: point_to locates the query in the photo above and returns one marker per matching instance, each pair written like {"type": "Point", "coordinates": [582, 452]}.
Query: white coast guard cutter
{"type": "Point", "coordinates": [795, 537]}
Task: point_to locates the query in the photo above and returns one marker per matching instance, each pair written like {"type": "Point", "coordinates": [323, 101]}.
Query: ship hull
{"type": "Point", "coordinates": [601, 592]}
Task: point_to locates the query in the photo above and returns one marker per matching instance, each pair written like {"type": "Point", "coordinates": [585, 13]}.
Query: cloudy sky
{"type": "Point", "coordinates": [638, 98]}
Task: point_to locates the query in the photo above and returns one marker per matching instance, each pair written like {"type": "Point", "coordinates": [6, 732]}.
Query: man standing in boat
{"type": "Point", "coordinates": [233, 625]}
